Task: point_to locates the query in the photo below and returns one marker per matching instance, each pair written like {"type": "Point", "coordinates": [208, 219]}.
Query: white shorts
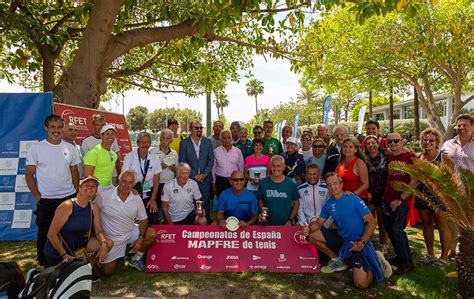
{"type": "Point", "coordinates": [119, 248]}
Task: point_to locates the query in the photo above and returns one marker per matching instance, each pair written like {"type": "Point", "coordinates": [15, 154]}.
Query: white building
{"type": "Point", "coordinates": [405, 108]}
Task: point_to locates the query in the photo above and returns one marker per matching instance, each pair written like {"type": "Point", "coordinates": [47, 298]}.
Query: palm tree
{"type": "Point", "coordinates": [454, 196]}
{"type": "Point", "coordinates": [254, 88]}
{"type": "Point", "coordinates": [221, 102]}
{"type": "Point", "coordinates": [307, 94]}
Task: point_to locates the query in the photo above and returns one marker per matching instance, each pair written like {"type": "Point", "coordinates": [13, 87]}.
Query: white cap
{"type": "Point", "coordinates": [292, 140]}
{"type": "Point", "coordinates": [106, 128]}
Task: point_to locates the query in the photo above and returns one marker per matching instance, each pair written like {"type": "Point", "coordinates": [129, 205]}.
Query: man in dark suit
{"type": "Point", "coordinates": [198, 152]}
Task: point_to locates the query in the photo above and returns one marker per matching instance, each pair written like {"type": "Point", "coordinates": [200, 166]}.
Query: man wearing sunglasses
{"type": "Point", "coordinates": [395, 207]}
{"type": "Point", "coordinates": [237, 201]}
{"type": "Point", "coordinates": [198, 152]}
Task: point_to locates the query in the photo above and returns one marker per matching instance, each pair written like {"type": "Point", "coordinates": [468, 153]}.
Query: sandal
{"type": "Point", "coordinates": [428, 259]}
{"type": "Point", "coordinates": [441, 262]}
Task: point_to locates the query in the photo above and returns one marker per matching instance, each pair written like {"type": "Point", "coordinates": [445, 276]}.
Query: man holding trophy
{"type": "Point", "coordinates": [182, 199]}
{"type": "Point", "coordinates": [279, 194]}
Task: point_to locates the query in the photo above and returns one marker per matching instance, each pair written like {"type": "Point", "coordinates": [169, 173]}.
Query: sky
{"type": "Point", "coordinates": [279, 83]}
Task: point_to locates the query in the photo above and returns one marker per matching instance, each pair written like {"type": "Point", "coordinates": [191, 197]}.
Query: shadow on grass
{"type": "Point", "coordinates": [425, 281]}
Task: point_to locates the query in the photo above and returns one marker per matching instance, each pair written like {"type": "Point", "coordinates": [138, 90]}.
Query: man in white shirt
{"type": "Point", "coordinates": [147, 166]}
{"type": "Point", "coordinates": [179, 198]}
{"type": "Point", "coordinates": [70, 136]}
{"type": "Point", "coordinates": [51, 175]}
{"type": "Point", "coordinates": [124, 221]}
{"type": "Point", "coordinates": [169, 161]}
{"type": "Point", "coordinates": [313, 196]}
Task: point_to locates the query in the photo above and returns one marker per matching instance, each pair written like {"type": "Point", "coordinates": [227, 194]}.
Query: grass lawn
{"type": "Point", "coordinates": [425, 282]}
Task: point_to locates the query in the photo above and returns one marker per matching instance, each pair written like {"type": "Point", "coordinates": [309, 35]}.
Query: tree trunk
{"type": "Point", "coordinates": [256, 105]}
{"type": "Point", "coordinates": [48, 72]}
{"type": "Point", "coordinates": [370, 104]}
{"type": "Point", "coordinates": [465, 263]}
{"type": "Point", "coordinates": [416, 114]}
{"type": "Point", "coordinates": [391, 128]}
{"type": "Point", "coordinates": [85, 80]}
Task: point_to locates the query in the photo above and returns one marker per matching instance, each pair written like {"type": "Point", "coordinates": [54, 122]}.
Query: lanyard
{"type": "Point", "coordinates": [140, 163]}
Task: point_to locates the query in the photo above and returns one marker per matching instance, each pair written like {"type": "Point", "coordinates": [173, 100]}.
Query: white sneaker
{"type": "Point", "coordinates": [386, 267]}
{"type": "Point", "coordinates": [334, 266]}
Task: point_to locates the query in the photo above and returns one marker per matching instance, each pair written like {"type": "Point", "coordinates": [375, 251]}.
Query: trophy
{"type": "Point", "coordinates": [264, 215]}
{"type": "Point", "coordinates": [199, 204]}
{"type": "Point", "coordinates": [256, 179]}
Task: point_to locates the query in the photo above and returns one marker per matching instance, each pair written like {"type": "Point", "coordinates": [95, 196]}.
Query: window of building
{"type": "Point", "coordinates": [396, 113]}
{"type": "Point", "coordinates": [380, 116]}
{"type": "Point", "coordinates": [441, 107]}
{"type": "Point", "coordinates": [408, 112]}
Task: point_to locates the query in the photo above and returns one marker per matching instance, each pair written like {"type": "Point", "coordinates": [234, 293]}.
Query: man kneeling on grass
{"type": "Point", "coordinates": [355, 225]}
{"type": "Point", "coordinates": [124, 220]}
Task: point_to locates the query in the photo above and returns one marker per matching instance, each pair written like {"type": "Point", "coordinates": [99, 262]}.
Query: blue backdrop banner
{"type": "Point", "coordinates": [21, 125]}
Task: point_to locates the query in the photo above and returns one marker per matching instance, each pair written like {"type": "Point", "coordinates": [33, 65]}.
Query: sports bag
{"type": "Point", "coordinates": [69, 279]}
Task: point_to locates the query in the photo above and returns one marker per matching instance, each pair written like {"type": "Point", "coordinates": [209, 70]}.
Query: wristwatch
{"type": "Point", "coordinates": [364, 242]}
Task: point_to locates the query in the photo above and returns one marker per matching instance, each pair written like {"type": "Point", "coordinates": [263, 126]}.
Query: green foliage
{"type": "Point", "coordinates": [137, 118]}
{"type": "Point", "coordinates": [157, 118]}
{"type": "Point", "coordinates": [376, 102]}
{"type": "Point", "coordinates": [431, 50]}
{"type": "Point", "coordinates": [406, 127]}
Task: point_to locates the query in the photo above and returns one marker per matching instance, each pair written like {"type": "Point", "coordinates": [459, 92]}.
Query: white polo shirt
{"type": "Point", "coordinates": [180, 199]}
{"type": "Point", "coordinates": [170, 158]}
{"type": "Point", "coordinates": [133, 162]}
{"type": "Point", "coordinates": [53, 168]}
{"type": "Point", "coordinates": [118, 217]}
{"type": "Point", "coordinates": [463, 156]}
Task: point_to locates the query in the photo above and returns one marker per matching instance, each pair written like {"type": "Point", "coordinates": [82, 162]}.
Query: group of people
{"type": "Point", "coordinates": [338, 189]}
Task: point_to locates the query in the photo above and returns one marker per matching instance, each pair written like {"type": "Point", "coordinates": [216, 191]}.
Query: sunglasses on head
{"type": "Point", "coordinates": [238, 180]}
{"type": "Point", "coordinates": [318, 146]}
{"type": "Point", "coordinates": [393, 141]}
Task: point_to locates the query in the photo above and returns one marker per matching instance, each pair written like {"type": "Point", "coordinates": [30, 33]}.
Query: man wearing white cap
{"type": "Point", "coordinates": [101, 159]}
{"type": "Point", "coordinates": [294, 161]}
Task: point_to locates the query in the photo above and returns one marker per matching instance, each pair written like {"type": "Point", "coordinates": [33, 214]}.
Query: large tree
{"type": "Point", "coordinates": [85, 50]}
{"type": "Point", "coordinates": [221, 101]}
{"type": "Point", "coordinates": [431, 51]}
{"type": "Point", "coordinates": [137, 118]}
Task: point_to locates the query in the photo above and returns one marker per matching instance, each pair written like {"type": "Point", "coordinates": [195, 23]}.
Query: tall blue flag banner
{"type": "Point", "coordinates": [21, 125]}
{"type": "Point", "coordinates": [297, 120]}
{"type": "Point", "coordinates": [327, 104]}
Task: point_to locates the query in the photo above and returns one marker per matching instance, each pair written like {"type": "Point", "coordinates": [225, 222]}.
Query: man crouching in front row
{"type": "Point", "coordinates": [355, 225]}
{"type": "Point", "coordinates": [124, 221]}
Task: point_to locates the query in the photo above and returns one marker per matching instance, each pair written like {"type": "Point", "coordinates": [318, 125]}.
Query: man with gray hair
{"type": "Point", "coordinates": [124, 220]}
{"type": "Point", "coordinates": [179, 198]}
{"type": "Point", "coordinates": [334, 151]}
{"type": "Point", "coordinates": [279, 194]}
{"type": "Point", "coordinates": [169, 161]}
{"type": "Point", "coordinates": [322, 132]}
{"type": "Point", "coordinates": [148, 168]}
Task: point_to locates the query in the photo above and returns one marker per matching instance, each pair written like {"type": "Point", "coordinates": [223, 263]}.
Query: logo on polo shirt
{"type": "Point", "coordinates": [189, 190]}
{"type": "Point", "coordinates": [175, 191]}
{"type": "Point", "coordinates": [275, 193]}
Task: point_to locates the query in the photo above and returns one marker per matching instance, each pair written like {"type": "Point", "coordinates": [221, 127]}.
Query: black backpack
{"type": "Point", "coordinates": [12, 279]}
{"type": "Point", "coordinates": [69, 279]}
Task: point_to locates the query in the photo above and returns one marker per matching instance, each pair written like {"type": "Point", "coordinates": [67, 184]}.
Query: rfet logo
{"type": "Point", "coordinates": [162, 236]}
{"type": "Point", "coordinates": [300, 238]}
{"type": "Point", "coordinates": [69, 116]}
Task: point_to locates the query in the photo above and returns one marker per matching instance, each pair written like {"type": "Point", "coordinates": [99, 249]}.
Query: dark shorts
{"type": "Point", "coordinates": [420, 204]}
{"type": "Point", "coordinates": [333, 240]}
{"type": "Point", "coordinates": [376, 201]}
{"type": "Point", "coordinates": [189, 220]}
{"type": "Point", "coordinates": [356, 260]}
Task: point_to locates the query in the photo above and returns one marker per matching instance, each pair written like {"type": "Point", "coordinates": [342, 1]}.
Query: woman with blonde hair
{"type": "Point", "coordinates": [431, 141]}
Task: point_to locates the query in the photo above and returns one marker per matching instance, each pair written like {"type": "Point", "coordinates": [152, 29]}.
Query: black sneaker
{"type": "Point", "coordinates": [95, 275]}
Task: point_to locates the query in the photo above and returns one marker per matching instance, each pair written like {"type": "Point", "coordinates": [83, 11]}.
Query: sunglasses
{"type": "Point", "coordinates": [429, 140]}
{"type": "Point", "coordinates": [198, 128]}
{"type": "Point", "coordinates": [257, 133]}
{"type": "Point", "coordinates": [393, 141]}
{"type": "Point", "coordinates": [318, 146]}
{"type": "Point", "coordinates": [238, 180]}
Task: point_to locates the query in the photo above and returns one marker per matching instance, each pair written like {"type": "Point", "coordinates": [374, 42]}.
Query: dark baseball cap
{"type": "Point", "coordinates": [172, 121]}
